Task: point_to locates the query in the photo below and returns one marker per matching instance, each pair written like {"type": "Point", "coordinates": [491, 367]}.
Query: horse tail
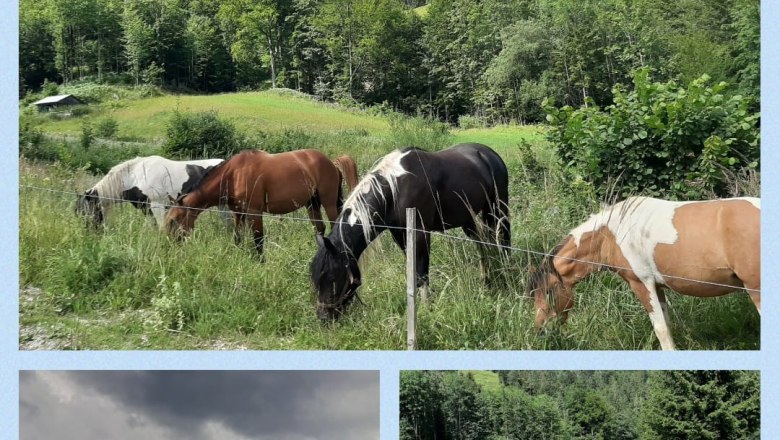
{"type": "Point", "coordinates": [500, 208]}
{"type": "Point", "coordinates": [348, 170]}
{"type": "Point", "coordinates": [339, 197]}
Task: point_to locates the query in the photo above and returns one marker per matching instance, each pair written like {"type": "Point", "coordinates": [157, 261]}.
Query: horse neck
{"type": "Point", "coordinates": [110, 187]}
{"type": "Point", "coordinates": [351, 239]}
{"type": "Point", "coordinates": [209, 191]}
{"type": "Point", "coordinates": [578, 260]}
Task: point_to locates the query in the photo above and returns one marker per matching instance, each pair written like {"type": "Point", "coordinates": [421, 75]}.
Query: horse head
{"type": "Point", "coordinates": [88, 206]}
{"type": "Point", "coordinates": [336, 277]}
{"type": "Point", "coordinates": [546, 282]}
{"type": "Point", "coordinates": [178, 222]}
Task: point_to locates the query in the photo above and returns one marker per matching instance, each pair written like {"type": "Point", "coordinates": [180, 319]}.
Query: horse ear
{"type": "Point", "coordinates": [171, 199]}
{"type": "Point", "coordinates": [323, 242]}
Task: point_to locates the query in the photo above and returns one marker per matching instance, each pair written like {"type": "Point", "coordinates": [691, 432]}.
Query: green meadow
{"type": "Point", "coordinates": [130, 287]}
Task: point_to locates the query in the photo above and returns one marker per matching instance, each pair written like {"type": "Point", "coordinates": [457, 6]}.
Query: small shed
{"type": "Point", "coordinates": [54, 102]}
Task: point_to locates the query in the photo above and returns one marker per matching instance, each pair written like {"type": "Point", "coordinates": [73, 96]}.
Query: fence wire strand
{"type": "Point", "coordinates": [435, 233]}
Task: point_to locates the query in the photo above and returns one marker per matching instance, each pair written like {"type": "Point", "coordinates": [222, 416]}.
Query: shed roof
{"type": "Point", "coordinates": [54, 99]}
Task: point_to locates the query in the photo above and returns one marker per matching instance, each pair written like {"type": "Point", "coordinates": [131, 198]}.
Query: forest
{"type": "Point", "coordinates": [504, 405]}
{"type": "Point", "coordinates": [465, 62]}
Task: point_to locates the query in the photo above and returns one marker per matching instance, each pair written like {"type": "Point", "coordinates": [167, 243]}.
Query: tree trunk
{"type": "Point", "coordinates": [273, 66]}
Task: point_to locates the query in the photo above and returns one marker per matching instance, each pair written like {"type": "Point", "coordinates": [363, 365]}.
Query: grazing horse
{"type": "Point", "coordinates": [702, 248]}
{"type": "Point", "coordinates": [146, 182]}
{"type": "Point", "coordinates": [448, 188]}
{"type": "Point", "coordinates": [254, 182]}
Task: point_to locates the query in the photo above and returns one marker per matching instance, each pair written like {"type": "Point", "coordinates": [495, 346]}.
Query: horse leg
{"type": "Point", "coordinates": [484, 264]}
{"type": "Point", "coordinates": [664, 304]}
{"type": "Point", "coordinates": [158, 213]}
{"type": "Point", "coordinates": [238, 222]}
{"type": "Point", "coordinates": [422, 263]}
{"type": "Point", "coordinates": [422, 257]}
{"type": "Point", "coordinates": [315, 215]}
{"type": "Point", "coordinates": [256, 223]}
{"type": "Point", "coordinates": [648, 296]}
{"type": "Point", "coordinates": [754, 291]}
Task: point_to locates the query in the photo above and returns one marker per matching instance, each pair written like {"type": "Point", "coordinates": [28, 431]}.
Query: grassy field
{"type": "Point", "coordinates": [129, 287]}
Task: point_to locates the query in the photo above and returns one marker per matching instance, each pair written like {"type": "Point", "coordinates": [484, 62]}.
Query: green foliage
{"type": "Point", "coordinates": [49, 88]}
{"type": "Point", "coordinates": [201, 135]}
{"type": "Point", "coordinates": [285, 140]}
{"type": "Point", "coordinates": [699, 405]}
{"type": "Point", "coordinates": [87, 135]}
{"type": "Point", "coordinates": [106, 127]}
{"type": "Point", "coordinates": [659, 139]}
{"type": "Point", "coordinates": [168, 312]}
{"type": "Point", "coordinates": [419, 132]}
{"type": "Point", "coordinates": [445, 405]}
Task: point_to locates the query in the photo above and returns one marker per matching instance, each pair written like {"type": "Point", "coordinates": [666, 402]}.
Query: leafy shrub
{"type": "Point", "coordinates": [87, 135]}
{"type": "Point", "coordinates": [80, 110]}
{"type": "Point", "coordinates": [49, 88]}
{"type": "Point", "coordinates": [202, 135]}
{"type": "Point", "coordinates": [106, 128]}
{"type": "Point", "coordinates": [286, 140]}
{"type": "Point", "coordinates": [167, 309]}
{"type": "Point", "coordinates": [33, 144]}
{"type": "Point", "coordinates": [659, 139]}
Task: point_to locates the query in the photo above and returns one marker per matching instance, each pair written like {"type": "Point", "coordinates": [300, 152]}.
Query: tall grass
{"type": "Point", "coordinates": [130, 287]}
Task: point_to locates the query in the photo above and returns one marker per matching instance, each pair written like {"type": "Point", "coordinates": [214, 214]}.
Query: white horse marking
{"type": "Point", "coordinates": [390, 168]}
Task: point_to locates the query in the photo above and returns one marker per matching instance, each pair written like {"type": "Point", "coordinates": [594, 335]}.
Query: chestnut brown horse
{"type": "Point", "coordinates": [703, 248]}
{"type": "Point", "coordinates": [253, 182]}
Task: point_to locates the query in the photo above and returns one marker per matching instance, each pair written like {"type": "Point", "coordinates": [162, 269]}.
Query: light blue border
{"type": "Point", "coordinates": [11, 360]}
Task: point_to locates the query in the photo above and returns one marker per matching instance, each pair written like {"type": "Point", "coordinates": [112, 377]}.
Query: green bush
{"type": "Point", "coordinates": [659, 139]}
{"type": "Point", "coordinates": [285, 140]}
{"type": "Point", "coordinates": [106, 128]}
{"type": "Point", "coordinates": [87, 135]}
{"type": "Point", "coordinates": [202, 135]}
{"type": "Point", "coordinates": [33, 144]}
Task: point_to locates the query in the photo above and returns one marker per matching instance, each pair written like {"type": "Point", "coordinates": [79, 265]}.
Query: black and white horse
{"type": "Point", "coordinates": [147, 182]}
{"type": "Point", "coordinates": [449, 188]}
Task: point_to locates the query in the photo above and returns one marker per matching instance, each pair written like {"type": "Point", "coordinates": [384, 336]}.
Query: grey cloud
{"type": "Point", "coordinates": [288, 405]}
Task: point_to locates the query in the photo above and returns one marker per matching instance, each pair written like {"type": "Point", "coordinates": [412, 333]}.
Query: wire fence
{"type": "Point", "coordinates": [447, 236]}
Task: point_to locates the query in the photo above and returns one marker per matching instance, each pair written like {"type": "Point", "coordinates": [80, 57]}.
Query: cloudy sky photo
{"type": "Point", "coordinates": [199, 405]}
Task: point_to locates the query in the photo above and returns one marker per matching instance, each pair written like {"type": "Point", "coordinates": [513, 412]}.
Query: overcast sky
{"type": "Point", "coordinates": [199, 405]}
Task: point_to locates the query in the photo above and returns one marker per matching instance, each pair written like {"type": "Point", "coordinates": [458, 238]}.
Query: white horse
{"type": "Point", "coordinates": [147, 182]}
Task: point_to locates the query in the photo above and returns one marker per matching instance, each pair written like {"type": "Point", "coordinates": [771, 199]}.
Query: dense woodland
{"type": "Point", "coordinates": [460, 61]}
{"type": "Point", "coordinates": [506, 405]}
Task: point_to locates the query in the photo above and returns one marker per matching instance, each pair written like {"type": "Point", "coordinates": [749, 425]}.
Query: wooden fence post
{"type": "Point", "coordinates": [411, 279]}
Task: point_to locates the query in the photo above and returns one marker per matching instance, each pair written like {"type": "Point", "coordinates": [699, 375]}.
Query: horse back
{"type": "Point", "coordinates": [717, 241]}
{"type": "Point", "coordinates": [452, 185]}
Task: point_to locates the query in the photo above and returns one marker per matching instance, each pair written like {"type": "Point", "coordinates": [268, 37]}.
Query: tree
{"type": "Point", "coordinates": [702, 405]}
{"type": "Point", "coordinates": [419, 401]}
{"type": "Point", "coordinates": [36, 46]}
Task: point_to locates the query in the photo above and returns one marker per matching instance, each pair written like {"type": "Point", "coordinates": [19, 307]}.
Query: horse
{"type": "Point", "coordinates": [254, 182]}
{"type": "Point", "coordinates": [696, 248]}
{"type": "Point", "coordinates": [448, 188]}
{"type": "Point", "coordinates": [146, 182]}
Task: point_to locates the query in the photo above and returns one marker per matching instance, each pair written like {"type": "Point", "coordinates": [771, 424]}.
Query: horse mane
{"type": "Point", "coordinates": [546, 267]}
{"type": "Point", "coordinates": [109, 188]}
{"type": "Point", "coordinates": [199, 181]}
{"type": "Point", "coordinates": [389, 169]}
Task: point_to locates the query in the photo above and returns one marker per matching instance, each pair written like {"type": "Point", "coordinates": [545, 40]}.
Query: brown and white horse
{"type": "Point", "coordinates": [701, 248]}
